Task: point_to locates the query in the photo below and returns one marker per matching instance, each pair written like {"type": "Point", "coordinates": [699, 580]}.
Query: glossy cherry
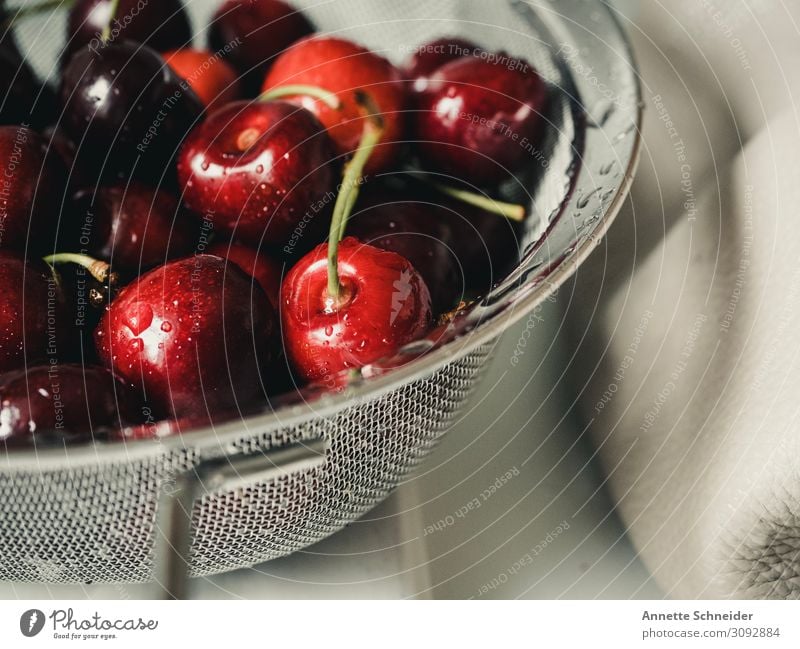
{"type": "Point", "coordinates": [384, 303]}
{"type": "Point", "coordinates": [346, 304]}
{"type": "Point", "coordinates": [418, 230]}
{"type": "Point", "coordinates": [31, 304]}
{"type": "Point", "coordinates": [257, 169]}
{"type": "Point", "coordinates": [478, 119]}
{"type": "Point", "coordinates": [126, 109]}
{"type": "Point", "coordinates": [253, 32]}
{"type": "Point", "coordinates": [429, 57]}
{"type": "Point", "coordinates": [32, 188]}
{"type": "Point", "coordinates": [345, 69]}
{"type": "Point", "coordinates": [160, 24]}
{"type": "Point", "coordinates": [192, 334]}
{"type": "Point", "coordinates": [132, 225]}
{"type": "Point", "coordinates": [64, 402]}
{"type": "Point", "coordinates": [213, 80]}
{"type": "Point", "coordinates": [267, 271]}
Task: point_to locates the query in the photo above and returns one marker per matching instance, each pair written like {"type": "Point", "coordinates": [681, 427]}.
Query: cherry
{"type": "Point", "coordinates": [32, 187]}
{"type": "Point", "coordinates": [253, 32]}
{"type": "Point", "coordinates": [64, 401]}
{"type": "Point", "coordinates": [257, 170]}
{"type": "Point", "coordinates": [430, 57]}
{"type": "Point", "coordinates": [192, 334]}
{"type": "Point", "coordinates": [161, 24]}
{"type": "Point", "coordinates": [478, 118]}
{"type": "Point", "coordinates": [255, 263]}
{"type": "Point", "coordinates": [346, 303]}
{"type": "Point", "coordinates": [126, 109]}
{"type": "Point", "coordinates": [134, 226]}
{"type": "Point", "coordinates": [417, 230]}
{"type": "Point", "coordinates": [213, 80]}
{"type": "Point", "coordinates": [345, 69]}
{"type": "Point", "coordinates": [32, 312]}
{"type": "Point", "coordinates": [383, 304]}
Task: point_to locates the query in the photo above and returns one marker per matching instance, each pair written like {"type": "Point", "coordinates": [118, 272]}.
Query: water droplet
{"type": "Point", "coordinates": [260, 169]}
{"type": "Point", "coordinates": [137, 345]}
{"type": "Point", "coordinates": [166, 327]}
{"type": "Point", "coordinates": [139, 317]}
{"type": "Point", "coordinates": [329, 330]}
{"type": "Point", "coordinates": [607, 167]}
{"type": "Point", "coordinates": [205, 165]}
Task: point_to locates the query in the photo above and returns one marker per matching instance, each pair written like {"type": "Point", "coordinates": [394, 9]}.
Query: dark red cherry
{"type": "Point", "coordinates": [428, 58]}
{"type": "Point", "coordinates": [383, 304]}
{"type": "Point", "coordinates": [480, 119]}
{"type": "Point", "coordinates": [160, 24]}
{"type": "Point", "coordinates": [192, 334]}
{"type": "Point", "coordinates": [417, 230]}
{"type": "Point", "coordinates": [126, 109]}
{"type": "Point", "coordinates": [213, 80]}
{"type": "Point", "coordinates": [134, 226]}
{"type": "Point", "coordinates": [64, 402]}
{"type": "Point", "coordinates": [30, 302]}
{"type": "Point", "coordinates": [32, 186]}
{"type": "Point", "coordinates": [256, 169]}
{"type": "Point", "coordinates": [257, 264]}
{"type": "Point", "coordinates": [345, 68]}
{"type": "Point", "coordinates": [251, 33]}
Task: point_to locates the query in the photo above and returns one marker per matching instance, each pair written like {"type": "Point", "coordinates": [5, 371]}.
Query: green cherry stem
{"type": "Point", "coordinates": [510, 211]}
{"type": "Point", "coordinates": [351, 186]}
{"type": "Point", "coordinates": [106, 35]}
{"type": "Point", "coordinates": [100, 270]}
{"type": "Point", "coordinates": [326, 96]}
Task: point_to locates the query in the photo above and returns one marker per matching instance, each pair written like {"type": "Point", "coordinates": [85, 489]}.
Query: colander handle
{"type": "Point", "coordinates": [176, 503]}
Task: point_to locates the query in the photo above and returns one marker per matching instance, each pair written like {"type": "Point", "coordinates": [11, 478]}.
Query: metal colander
{"type": "Point", "coordinates": [272, 483]}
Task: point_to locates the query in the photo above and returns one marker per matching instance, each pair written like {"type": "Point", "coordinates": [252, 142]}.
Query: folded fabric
{"type": "Point", "coordinates": [686, 321]}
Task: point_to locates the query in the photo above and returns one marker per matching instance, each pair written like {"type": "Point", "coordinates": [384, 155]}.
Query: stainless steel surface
{"type": "Point", "coordinates": [87, 514]}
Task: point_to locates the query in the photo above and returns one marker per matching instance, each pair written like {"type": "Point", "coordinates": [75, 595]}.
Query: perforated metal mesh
{"type": "Point", "coordinates": [98, 523]}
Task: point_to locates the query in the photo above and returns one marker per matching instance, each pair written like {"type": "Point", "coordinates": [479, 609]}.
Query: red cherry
{"type": "Point", "coordinates": [345, 68]}
{"type": "Point", "coordinates": [384, 304]}
{"type": "Point", "coordinates": [32, 186]}
{"type": "Point", "coordinates": [257, 169]}
{"type": "Point", "coordinates": [133, 226]}
{"type": "Point", "coordinates": [192, 335]}
{"type": "Point", "coordinates": [478, 119]}
{"type": "Point", "coordinates": [430, 57]}
{"type": "Point", "coordinates": [253, 32]}
{"type": "Point", "coordinates": [56, 402]}
{"type": "Point", "coordinates": [213, 80]}
{"type": "Point", "coordinates": [255, 263]}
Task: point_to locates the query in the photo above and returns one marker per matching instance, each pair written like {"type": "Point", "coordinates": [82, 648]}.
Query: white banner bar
{"type": "Point", "coordinates": [387, 625]}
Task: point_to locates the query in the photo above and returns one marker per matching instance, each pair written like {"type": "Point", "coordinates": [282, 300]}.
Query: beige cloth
{"type": "Point", "coordinates": [687, 320]}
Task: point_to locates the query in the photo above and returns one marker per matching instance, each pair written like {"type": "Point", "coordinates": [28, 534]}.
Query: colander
{"type": "Point", "coordinates": [271, 483]}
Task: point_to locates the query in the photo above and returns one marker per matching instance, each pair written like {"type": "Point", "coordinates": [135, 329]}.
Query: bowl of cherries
{"type": "Point", "coordinates": [256, 223]}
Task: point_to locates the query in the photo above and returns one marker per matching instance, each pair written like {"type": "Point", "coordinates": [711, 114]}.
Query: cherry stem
{"type": "Point", "coordinates": [326, 96]}
{"type": "Point", "coordinates": [100, 270]}
{"type": "Point", "coordinates": [106, 35]}
{"type": "Point", "coordinates": [510, 211]}
{"type": "Point", "coordinates": [351, 186]}
{"type": "Point", "coordinates": [35, 9]}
